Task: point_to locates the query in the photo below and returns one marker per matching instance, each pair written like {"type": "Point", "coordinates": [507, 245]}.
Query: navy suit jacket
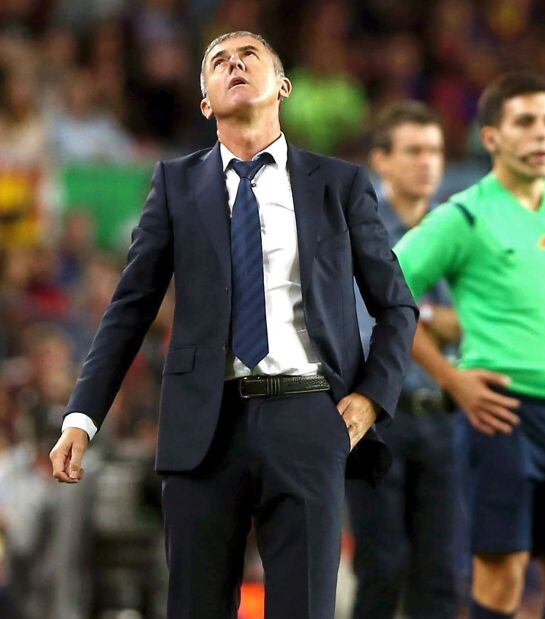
{"type": "Point", "coordinates": [184, 231]}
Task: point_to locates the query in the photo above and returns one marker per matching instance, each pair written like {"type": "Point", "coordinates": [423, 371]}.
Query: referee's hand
{"type": "Point", "coordinates": [67, 454]}
{"type": "Point", "coordinates": [488, 411]}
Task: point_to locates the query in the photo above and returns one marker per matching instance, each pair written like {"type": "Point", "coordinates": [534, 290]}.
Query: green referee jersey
{"type": "Point", "coordinates": [491, 250]}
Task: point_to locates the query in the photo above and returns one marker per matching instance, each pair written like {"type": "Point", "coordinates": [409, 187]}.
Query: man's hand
{"type": "Point", "coordinates": [359, 414]}
{"type": "Point", "coordinates": [488, 411]}
{"type": "Point", "coordinates": [67, 454]}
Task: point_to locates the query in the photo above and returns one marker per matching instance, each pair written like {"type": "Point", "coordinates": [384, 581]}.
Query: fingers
{"type": "Point", "coordinates": [502, 413]}
{"type": "Point", "coordinates": [359, 403]}
{"type": "Point", "coordinates": [491, 418]}
{"type": "Point", "coordinates": [352, 433]}
{"type": "Point", "coordinates": [358, 421]}
{"type": "Point", "coordinates": [502, 400]}
{"type": "Point", "coordinates": [75, 461]}
{"type": "Point", "coordinates": [494, 416]}
{"type": "Point", "coordinates": [58, 461]}
{"type": "Point", "coordinates": [481, 426]}
{"type": "Point", "coordinates": [495, 378]}
{"type": "Point", "coordinates": [495, 422]}
{"type": "Point", "coordinates": [490, 412]}
{"type": "Point", "coordinates": [343, 404]}
{"type": "Point", "coordinates": [66, 458]}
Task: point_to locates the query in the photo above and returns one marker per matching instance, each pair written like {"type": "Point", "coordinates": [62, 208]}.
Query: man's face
{"type": "Point", "coordinates": [518, 142]}
{"type": "Point", "coordinates": [240, 76]}
{"type": "Point", "coordinates": [414, 165]}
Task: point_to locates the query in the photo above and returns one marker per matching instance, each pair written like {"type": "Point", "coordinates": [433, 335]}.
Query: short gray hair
{"type": "Point", "coordinates": [277, 63]}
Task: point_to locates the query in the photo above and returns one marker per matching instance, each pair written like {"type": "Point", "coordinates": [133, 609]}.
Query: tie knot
{"type": "Point", "coordinates": [248, 169]}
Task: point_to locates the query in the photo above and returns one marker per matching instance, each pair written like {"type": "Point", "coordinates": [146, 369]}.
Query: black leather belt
{"type": "Point", "coordinates": [256, 386]}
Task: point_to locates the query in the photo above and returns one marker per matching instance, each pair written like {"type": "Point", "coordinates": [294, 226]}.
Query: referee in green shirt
{"type": "Point", "coordinates": [489, 243]}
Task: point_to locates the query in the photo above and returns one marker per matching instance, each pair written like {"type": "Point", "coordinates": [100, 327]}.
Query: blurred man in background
{"type": "Point", "coordinates": [404, 528]}
{"type": "Point", "coordinates": [489, 242]}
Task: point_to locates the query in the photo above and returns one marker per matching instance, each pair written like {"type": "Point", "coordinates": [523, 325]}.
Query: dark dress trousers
{"type": "Point", "coordinates": [279, 459]}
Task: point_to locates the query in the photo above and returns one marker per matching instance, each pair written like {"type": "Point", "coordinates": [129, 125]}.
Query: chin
{"type": "Point", "coordinates": [534, 172]}
{"type": "Point", "coordinates": [239, 102]}
{"type": "Point", "coordinates": [424, 192]}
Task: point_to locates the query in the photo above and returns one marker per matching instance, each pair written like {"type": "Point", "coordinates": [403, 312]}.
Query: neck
{"type": "Point", "coordinates": [528, 190]}
{"type": "Point", "coordinates": [246, 137]}
{"type": "Point", "coordinates": [409, 209]}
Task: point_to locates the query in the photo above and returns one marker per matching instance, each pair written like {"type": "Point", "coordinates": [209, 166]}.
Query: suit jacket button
{"type": "Point", "coordinates": [223, 347]}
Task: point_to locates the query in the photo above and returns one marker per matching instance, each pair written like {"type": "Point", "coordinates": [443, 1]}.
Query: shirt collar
{"type": "Point", "coordinates": [278, 149]}
{"type": "Point", "coordinates": [391, 220]}
{"type": "Point", "coordinates": [389, 216]}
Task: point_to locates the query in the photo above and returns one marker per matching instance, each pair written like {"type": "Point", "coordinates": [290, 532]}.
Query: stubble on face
{"type": "Point", "coordinates": [520, 136]}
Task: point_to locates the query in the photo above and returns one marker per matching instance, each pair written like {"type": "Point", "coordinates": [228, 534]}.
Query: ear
{"type": "Point", "coordinates": [489, 138]}
{"type": "Point", "coordinates": [378, 159]}
{"type": "Point", "coordinates": [206, 109]}
{"type": "Point", "coordinates": [285, 88]}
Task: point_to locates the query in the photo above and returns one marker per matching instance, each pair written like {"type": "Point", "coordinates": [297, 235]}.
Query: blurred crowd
{"type": "Point", "coordinates": [115, 82]}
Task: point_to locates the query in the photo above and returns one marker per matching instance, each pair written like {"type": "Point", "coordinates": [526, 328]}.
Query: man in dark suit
{"type": "Point", "coordinates": [265, 389]}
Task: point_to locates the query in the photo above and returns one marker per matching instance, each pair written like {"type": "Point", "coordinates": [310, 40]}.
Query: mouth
{"type": "Point", "coordinates": [425, 179]}
{"type": "Point", "coordinates": [536, 158]}
{"type": "Point", "coordinates": [236, 81]}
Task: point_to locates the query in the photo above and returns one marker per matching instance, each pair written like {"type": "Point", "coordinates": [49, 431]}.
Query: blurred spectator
{"type": "Point", "coordinates": [327, 105]}
{"type": "Point", "coordinates": [45, 377]}
{"type": "Point", "coordinates": [76, 246]}
{"type": "Point", "coordinates": [22, 130]}
{"type": "Point", "coordinates": [165, 104]}
{"type": "Point", "coordinates": [59, 49]}
{"type": "Point", "coordinates": [399, 69]}
{"type": "Point", "coordinates": [81, 15]}
{"type": "Point", "coordinates": [23, 161]}
{"type": "Point", "coordinates": [48, 299]}
{"type": "Point", "coordinates": [233, 15]}
{"type": "Point", "coordinates": [15, 273]}
{"type": "Point", "coordinates": [83, 131]}
{"type": "Point", "coordinates": [156, 20]}
{"type": "Point", "coordinates": [107, 64]}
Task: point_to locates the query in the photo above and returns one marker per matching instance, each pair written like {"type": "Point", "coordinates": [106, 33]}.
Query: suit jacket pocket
{"type": "Point", "coordinates": [179, 360]}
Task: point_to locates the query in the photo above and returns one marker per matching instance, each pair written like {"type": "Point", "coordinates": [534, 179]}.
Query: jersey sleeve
{"type": "Point", "coordinates": [437, 247]}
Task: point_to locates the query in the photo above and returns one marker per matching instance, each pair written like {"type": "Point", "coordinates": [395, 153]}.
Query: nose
{"type": "Point", "coordinates": [235, 62]}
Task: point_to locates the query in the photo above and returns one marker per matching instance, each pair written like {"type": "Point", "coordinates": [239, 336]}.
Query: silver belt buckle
{"type": "Point", "coordinates": [240, 383]}
{"type": "Point", "coordinates": [425, 400]}
{"type": "Point", "coordinates": [419, 399]}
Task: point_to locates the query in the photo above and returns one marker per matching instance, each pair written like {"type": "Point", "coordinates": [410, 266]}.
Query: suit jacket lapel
{"type": "Point", "coordinates": [210, 194]}
{"type": "Point", "coordinates": [308, 193]}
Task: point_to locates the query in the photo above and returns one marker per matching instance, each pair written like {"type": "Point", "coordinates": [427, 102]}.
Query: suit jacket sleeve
{"type": "Point", "coordinates": [387, 297]}
{"type": "Point", "coordinates": [132, 309]}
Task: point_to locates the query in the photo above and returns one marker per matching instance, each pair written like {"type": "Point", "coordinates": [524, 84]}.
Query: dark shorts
{"type": "Point", "coordinates": [505, 482]}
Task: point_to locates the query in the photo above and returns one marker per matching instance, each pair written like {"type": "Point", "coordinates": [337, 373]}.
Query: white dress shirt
{"type": "Point", "coordinates": [290, 349]}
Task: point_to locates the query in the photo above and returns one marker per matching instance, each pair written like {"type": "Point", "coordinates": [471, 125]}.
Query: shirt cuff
{"type": "Point", "coordinates": [81, 421]}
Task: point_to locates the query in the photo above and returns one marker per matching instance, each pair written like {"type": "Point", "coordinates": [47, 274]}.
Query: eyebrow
{"type": "Point", "coordinates": [223, 52]}
{"type": "Point", "coordinates": [526, 116]}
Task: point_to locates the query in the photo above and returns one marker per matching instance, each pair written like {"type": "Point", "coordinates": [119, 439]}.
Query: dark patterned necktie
{"type": "Point", "coordinates": [248, 318]}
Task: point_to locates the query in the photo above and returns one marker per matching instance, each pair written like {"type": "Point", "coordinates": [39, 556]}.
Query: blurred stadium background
{"type": "Point", "coordinates": [92, 93]}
